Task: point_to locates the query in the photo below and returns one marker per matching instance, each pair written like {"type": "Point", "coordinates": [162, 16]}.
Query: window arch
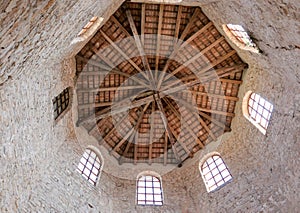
{"type": "Point", "coordinates": [149, 189]}
{"type": "Point", "coordinates": [257, 110]}
{"type": "Point", "coordinates": [214, 172]}
{"type": "Point", "coordinates": [240, 37]}
{"type": "Point", "coordinates": [90, 165]}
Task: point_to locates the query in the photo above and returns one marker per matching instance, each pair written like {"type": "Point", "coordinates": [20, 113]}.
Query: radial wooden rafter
{"type": "Point", "coordinates": [151, 99]}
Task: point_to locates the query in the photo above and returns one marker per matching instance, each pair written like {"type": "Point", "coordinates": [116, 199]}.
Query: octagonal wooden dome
{"type": "Point", "coordinates": [156, 83]}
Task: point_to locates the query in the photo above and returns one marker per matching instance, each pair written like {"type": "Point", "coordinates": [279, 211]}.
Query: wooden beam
{"type": "Point", "coordinates": [167, 127]}
{"type": "Point", "coordinates": [118, 107]}
{"type": "Point", "coordinates": [185, 125]}
{"type": "Point", "coordinates": [139, 45]}
{"type": "Point", "coordinates": [132, 130]}
{"type": "Point", "coordinates": [213, 73]}
{"type": "Point", "coordinates": [132, 138]}
{"type": "Point", "coordinates": [177, 47]}
{"type": "Point", "coordinates": [188, 106]}
{"type": "Point", "coordinates": [105, 89]}
{"type": "Point", "coordinates": [151, 132]}
{"type": "Point", "coordinates": [113, 129]}
{"type": "Point", "coordinates": [212, 95]}
{"type": "Point", "coordinates": [194, 58]}
{"type": "Point", "coordinates": [138, 41]}
{"type": "Point", "coordinates": [135, 149]}
{"type": "Point", "coordinates": [160, 20]}
{"type": "Point", "coordinates": [143, 19]}
{"type": "Point", "coordinates": [120, 25]}
{"type": "Point", "coordinates": [166, 149]}
{"type": "Point", "coordinates": [178, 21]}
{"type": "Point", "coordinates": [93, 62]}
{"type": "Point", "coordinates": [117, 71]}
{"type": "Point", "coordinates": [112, 43]}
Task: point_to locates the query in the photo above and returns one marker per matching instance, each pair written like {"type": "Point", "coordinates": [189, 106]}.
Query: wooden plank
{"type": "Point", "coordinates": [135, 149]}
{"type": "Point", "coordinates": [151, 132]}
{"type": "Point", "coordinates": [139, 45]}
{"type": "Point", "coordinates": [132, 130]}
{"type": "Point", "coordinates": [93, 62]}
{"type": "Point", "coordinates": [207, 94]}
{"type": "Point", "coordinates": [167, 127]}
{"type": "Point", "coordinates": [194, 58]}
{"type": "Point", "coordinates": [191, 107]}
{"type": "Point", "coordinates": [117, 71]}
{"type": "Point", "coordinates": [166, 149]}
{"type": "Point", "coordinates": [113, 129]}
{"type": "Point", "coordinates": [178, 21]}
{"type": "Point", "coordinates": [184, 123]}
{"type": "Point", "coordinates": [120, 26]}
{"type": "Point", "coordinates": [213, 73]}
{"type": "Point", "coordinates": [143, 19]}
{"type": "Point", "coordinates": [106, 89]}
{"type": "Point", "coordinates": [118, 107]}
{"type": "Point", "coordinates": [132, 138]}
{"type": "Point", "coordinates": [177, 47]}
{"type": "Point", "coordinates": [160, 20]}
{"type": "Point", "coordinates": [112, 43]}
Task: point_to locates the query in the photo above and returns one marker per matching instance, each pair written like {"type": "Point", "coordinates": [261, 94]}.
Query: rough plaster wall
{"type": "Point", "coordinates": [265, 168]}
{"type": "Point", "coordinates": [38, 157]}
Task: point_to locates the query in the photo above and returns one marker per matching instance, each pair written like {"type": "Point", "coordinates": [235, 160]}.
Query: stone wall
{"type": "Point", "coordinates": [39, 157]}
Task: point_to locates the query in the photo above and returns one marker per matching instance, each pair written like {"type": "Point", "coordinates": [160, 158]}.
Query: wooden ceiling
{"type": "Point", "coordinates": [157, 83]}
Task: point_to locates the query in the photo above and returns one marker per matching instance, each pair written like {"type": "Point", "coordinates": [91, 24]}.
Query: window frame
{"type": "Point", "coordinates": [213, 176]}
{"type": "Point", "coordinates": [90, 170]}
{"type": "Point", "coordinates": [153, 202]}
{"type": "Point", "coordinates": [249, 117]}
{"type": "Point", "coordinates": [60, 108]}
{"type": "Point", "coordinates": [240, 44]}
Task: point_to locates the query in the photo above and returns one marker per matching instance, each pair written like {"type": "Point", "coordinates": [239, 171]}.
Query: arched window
{"type": "Point", "coordinates": [214, 172]}
{"type": "Point", "coordinates": [240, 37]}
{"type": "Point", "coordinates": [89, 166]}
{"type": "Point", "coordinates": [149, 189]}
{"type": "Point", "coordinates": [257, 110]}
{"type": "Point", "coordinates": [61, 103]}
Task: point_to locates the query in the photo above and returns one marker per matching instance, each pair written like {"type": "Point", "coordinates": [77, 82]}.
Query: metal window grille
{"type": "Point", "coordinates": [240, 34]}
{"type": "Point", "coordinates": [149, 191]}
{"type": "Point", "coordinates": [215, 173]}
{"type": "Point", "coordinates": [89, 166]}
{"type": "Point", "coordinates": [260, 110]}
{"type": "Point", "coordinates": [61, 102]}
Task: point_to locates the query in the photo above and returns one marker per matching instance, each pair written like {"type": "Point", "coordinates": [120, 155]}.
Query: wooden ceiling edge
{"type": "Point", "coordinates": [172, 2]}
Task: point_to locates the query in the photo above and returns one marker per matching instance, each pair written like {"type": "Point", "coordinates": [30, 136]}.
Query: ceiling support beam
{"type": "Point", "coordinates": [194, 58]}
{"type": "Point", "coordinates": [129, 105]}
{"type": "Point", "coordinates": [143, 19]}
{"type": "Point", "coordinates": [120, 143]}
{"type": "Point", "coordinates": [151, 132]}
{"type": "Point", "coordinates": [167, 127]}
{"type": "Point", "coordinates": [93, 62]}
{"type": "Point", "coordinates": [214, 75]}
{"type": "Point", "coordinates": [139, 46]}
{"type": "Point", "coordinates": [178, 21]}
{"type": "Point", "coordinates": [160, 20]}
{"type": "Point", "coordinates": [121, 120]}
{"type": "Point", "coordinates": [166, 149]}
{"type": "Point", "coordinates": [177, 46]}
{"type": "Point", "coordinates": [118, 49]}
{"type": "Point", "coordinates": [191, 107]}
{"type": "Point", "coordinates": [185, 125]}
{"type": "Point", "coordinates": [117, 71]}
{"type": "Point", "coordinates": [107, 89]}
